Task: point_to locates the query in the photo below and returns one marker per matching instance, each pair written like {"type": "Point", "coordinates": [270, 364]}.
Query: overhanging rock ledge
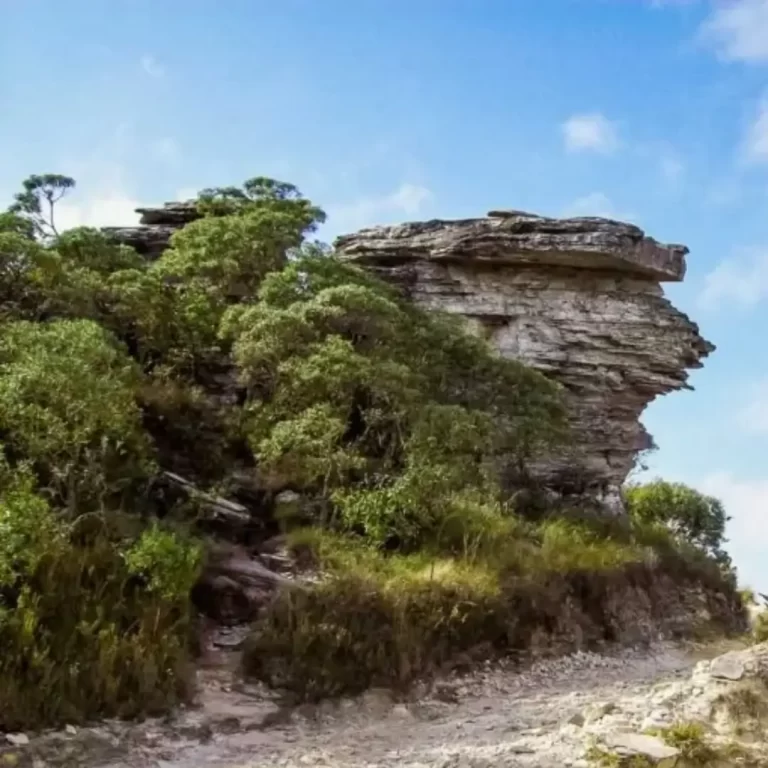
{"type": "Point", "coordinates": [580, 299]}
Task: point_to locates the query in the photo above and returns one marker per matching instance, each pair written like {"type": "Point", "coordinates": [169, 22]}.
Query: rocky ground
{"type": "Point", "coordinates": [563, 712]}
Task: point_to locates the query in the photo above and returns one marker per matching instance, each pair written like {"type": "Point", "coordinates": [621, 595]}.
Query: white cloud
{"type": "Point", "coordinates": [166, 149]}
{"type": "Point", "coordinates": [726, 191]}
{"type": "Point", "coordinates": [738, 30]}
{"type": "Point", "coordinates": [152, 66]}
{"type": "Point", "coordinates": [596, 204]}
{"type": "Point", "coordinates": [590, 132]}
{"type": "Point", "coordinates": [672, 168]}
{"type": "Point", "coordinates": [188, 193]}
{"type": "Point", "coordinates": [746, 501]}
{"type": "Point", "coordinates": [742, 281]}
{"type": "Point", "coordinates": [754, 415]}
{"type": "Point", "coordinates": [110, 208]}
{"type": "Point", "coordinates": [407, 201]}
{"type": "Point", "coordinates": [756, 142]}
{"type": "Point", "coordinates": [409, 198]}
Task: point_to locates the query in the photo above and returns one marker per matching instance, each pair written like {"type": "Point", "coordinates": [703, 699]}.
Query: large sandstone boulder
{"type": "Point", "coordinates": [579, 299]}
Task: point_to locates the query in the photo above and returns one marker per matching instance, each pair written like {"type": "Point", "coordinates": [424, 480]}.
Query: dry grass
{"type": "Point", "coordinates": [387, 619]}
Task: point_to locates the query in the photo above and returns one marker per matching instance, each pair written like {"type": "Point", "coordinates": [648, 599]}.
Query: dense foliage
{"type": "Point", "coordinates": [373, 407]}
{"type": "Point", "coordinates": [245, 346]}
{"type": "Point", "coordinates": [91, 622]}
{"type": "Point", "coordinates": [694, 517]}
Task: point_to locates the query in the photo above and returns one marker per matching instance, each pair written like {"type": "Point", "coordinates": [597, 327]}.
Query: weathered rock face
{"type": "Point", "coordinates": [150, 238]}
{"type": "Point", "coordinates": [579, 299]}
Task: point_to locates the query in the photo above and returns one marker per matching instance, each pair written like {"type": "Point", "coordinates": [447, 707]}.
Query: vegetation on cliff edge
{"type": "Point", "coordinates": [246, 345]}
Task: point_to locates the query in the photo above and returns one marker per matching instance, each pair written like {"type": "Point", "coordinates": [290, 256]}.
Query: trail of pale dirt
{"type": "Point", "coordinates": [494, 717]}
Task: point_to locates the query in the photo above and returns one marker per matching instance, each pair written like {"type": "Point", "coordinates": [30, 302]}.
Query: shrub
{"type": "Point", "coordinates": [695, 518]}
{"type": "Point", "coordinates": [89, 626]}
{"type": "Point", "coordinates": [67, 405]}
{"type": "Point", "coordinates": [691, 740]}
{"type": "Point", "coordinates": [376, 620]}
{"type": "Point", "coordinates": [387, 619]}
{"type": "Point", "coordinates": [373, 406]}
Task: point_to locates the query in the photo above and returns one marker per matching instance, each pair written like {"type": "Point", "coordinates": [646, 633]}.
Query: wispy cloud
{"type": "Point", "coordinates": [755, 149]}
{"type": "Point", "coordinates": [188, 193]}
{"type": "Point", "coordinates": [596, 204]}
{"type": "Point", "coordinates": [408, 200]}
{"type": "Point", "coordinates": [672, 3]}
{"type": "Point", "coordinates": [742, 280]}
{"type": "Point", "coordinates": [151, 66]}
{"type": "Point", "coordinates": [722, 192]}
{"type": "Point", "coordinates": [100, 208]}
{"type": "Point", "coordinates": [754, 415]}
{"type": "Point", "coordinates": [166, 150]}
{"type": "Point", "coordinates": [745, 500]}
{"type": "Point", "coordinates": [738, 30]}
{"type": "Point", "coordinates": [671, 167]}
{"type": "Point", "coordinates": [590, 132]}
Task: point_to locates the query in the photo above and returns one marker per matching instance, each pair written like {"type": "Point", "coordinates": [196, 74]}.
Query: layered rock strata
{"type": "Point", "coordinates": [579, 299]}
{"type": "Point", "coordinates": [156, 225]}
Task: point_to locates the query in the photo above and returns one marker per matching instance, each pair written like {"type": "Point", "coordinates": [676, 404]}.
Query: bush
{"type": "Point", "coordinates": [695, 518]}
{"type": "Point", "coordinates": [375, 621]}
{"type": "Point", "coordinates": [67, 405]}
{"type": "Point", "coordinates": [90, 626]}
{"type": "Point", "coordinates": [388, 619]}
{"type": "Point", "coordinates": [374, 408]}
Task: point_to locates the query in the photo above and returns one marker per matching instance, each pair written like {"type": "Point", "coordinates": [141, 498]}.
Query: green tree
{"type": "Point", "coordinates": [90, 249]}
{"type": "Point", "coordinates": [357, 396]}
{"type": "Point", "coordinates": [17, 225]}
{"type": "Point", "coordinates": [265, 194]}
{"type": "Point", "coordinates": [696, 518]}
{"type": "Point", "coordinates": [67, 405]}
{"type": "Point", "coordinates": [37, 201]}
{"type": "Point", "coordinates": [245, 234]}
{"type": "Point", "coordinates": [30, 275]}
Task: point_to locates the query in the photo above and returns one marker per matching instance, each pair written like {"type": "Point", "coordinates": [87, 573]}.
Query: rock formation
{"type": "Point", "coordinates": [579, 299]}
{"type": "Point", "coordinates": [156, 225]}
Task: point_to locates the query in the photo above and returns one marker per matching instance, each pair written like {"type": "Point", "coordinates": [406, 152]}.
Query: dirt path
{"type": "Point", "coordinates": [493, 718]}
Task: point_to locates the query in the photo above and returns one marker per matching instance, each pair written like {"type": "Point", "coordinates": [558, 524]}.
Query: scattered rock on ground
{"type": "Point", "coordinates": [557, 713]}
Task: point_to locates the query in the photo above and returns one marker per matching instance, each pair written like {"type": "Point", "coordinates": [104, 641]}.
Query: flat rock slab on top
{"type": "Point", "coordinates": [579, 299]}
{"type": "Point", "coordinates": [514, 237]}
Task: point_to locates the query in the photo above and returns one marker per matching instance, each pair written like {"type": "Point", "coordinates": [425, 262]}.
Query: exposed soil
{"type": "Point", "coordinates": [494, 717]}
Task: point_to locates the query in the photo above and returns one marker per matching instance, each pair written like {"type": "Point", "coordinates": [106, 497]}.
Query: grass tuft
{"type": "Point", "coordinates": [381, 618]}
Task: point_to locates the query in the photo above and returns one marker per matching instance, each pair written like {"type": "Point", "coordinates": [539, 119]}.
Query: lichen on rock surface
{"type": "Point", "coordinates": [579, 299]}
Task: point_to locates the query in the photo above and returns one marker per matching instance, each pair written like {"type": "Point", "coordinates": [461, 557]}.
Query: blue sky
{"type": "Point", "coordinates": [385, 110]}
